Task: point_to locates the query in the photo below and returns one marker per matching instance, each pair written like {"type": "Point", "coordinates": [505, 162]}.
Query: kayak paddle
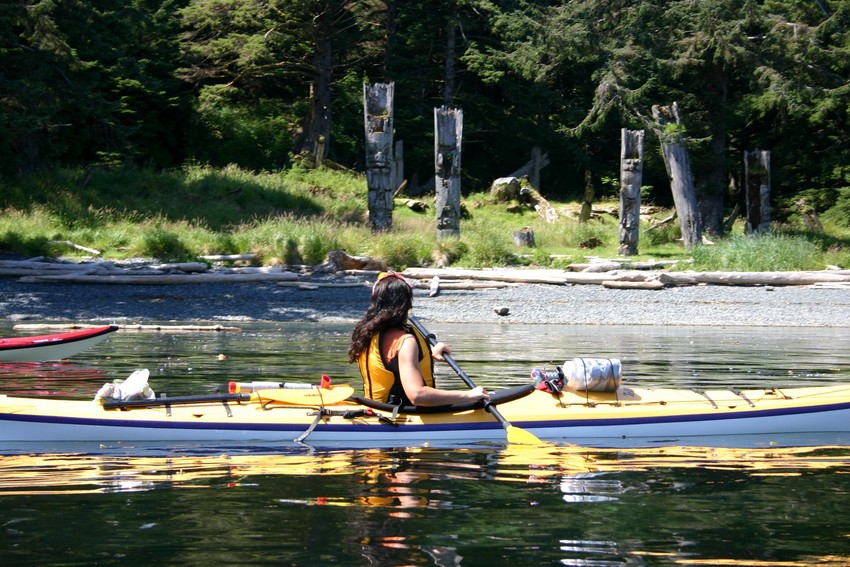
{"type": "Point", "coordinates": [514, 434]}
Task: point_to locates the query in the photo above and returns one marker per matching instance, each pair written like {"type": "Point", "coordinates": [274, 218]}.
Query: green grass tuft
{"type": "Point", "coordinates": [758, 253]}
{"type": "Point", "coordinates": [298, 215]}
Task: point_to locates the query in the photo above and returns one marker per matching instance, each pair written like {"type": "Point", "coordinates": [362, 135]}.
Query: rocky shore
{"type": "Point", "coordinates": [347, 298]}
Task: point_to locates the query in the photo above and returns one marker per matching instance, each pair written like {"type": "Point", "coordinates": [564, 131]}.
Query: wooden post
{"type": "Point", "coordinates": [448, 133]}
{"type": "Point", "coordinates": [757, 187]}
{"type": "Point", "coordinates": [524, 237]}
{"type": "Point", "coordinates": [398, 165]}
{"type": "Point", "coordinates": [589, 194]}
{"type": "Point", "coordinates": [320, 151]}
{"type": "Point", "coordinates": [678, 164]}
{"type": "Point", "coordinates": [380, 179]}
{"type": "Point", "coordinates": [631, 178]}
{"type": "Point", "coordinates": [536, 165]}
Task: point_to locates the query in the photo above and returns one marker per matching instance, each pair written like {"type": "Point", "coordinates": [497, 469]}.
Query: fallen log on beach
{"type": "Point", "coordinates": [608, 273]}
{"type": "Point", "coordinates": [623, 279]}
{"type": "Point", "coordinates": [755, 278]}
{"type": "Point", "coordinates": [648, 284]}
{"type": "Point", "coordinates": [556, 277]}
{"type": "Point", "coordinates": [165, 279]}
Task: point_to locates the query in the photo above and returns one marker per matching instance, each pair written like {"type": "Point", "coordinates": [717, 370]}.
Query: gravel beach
{"type": "Point", "coordinates": [705, 305]}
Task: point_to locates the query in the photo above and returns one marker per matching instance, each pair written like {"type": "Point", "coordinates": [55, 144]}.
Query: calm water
{"type": "Point", "coordinates": [478, 505]}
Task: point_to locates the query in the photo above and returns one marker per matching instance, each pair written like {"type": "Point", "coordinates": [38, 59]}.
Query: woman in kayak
{"type": "Point", "coordinates": [396, 362]}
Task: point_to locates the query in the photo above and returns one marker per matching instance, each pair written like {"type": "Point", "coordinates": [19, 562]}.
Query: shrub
{"type": "Point", "coordinates": [164, 245]}
{"type": "Point", "coordinates": [757, 253]}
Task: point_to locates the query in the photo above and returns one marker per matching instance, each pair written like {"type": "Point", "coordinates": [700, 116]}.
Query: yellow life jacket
{"type": "Point", "coordinates": [381, 379]}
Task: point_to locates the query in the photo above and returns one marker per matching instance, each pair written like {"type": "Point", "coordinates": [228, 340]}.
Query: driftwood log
{"type": "Point", "coordinates": [610, 265]}
{"type": "Point", "coordinates": [648, 284]}
{"type": "Point", "coordinates": [559, 277]}
{"type": "Point", "coordinates": [70, 244]}
{"type": "Point", "coordinates": [755, 278]}
{"type": "Point", "coordinates": [338, 261]}
{"type": "Point", "coordinates": [163, 279]}
{"type": "Point", "coordinates": [317, 285]}
{"type": "Point", "coordinates": [632, 275]}
{"type": "Point", "coordinates": [230, 257]}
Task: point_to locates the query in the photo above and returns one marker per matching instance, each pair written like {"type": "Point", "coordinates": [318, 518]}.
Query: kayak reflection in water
{"type": "Point", "coordinates": [396, 362]}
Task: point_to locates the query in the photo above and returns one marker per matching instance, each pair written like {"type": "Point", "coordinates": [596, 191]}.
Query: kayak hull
{"type": "Point", "coordinates": [656, 414]}
{"type": "Point", "coordinates": [57, 346]}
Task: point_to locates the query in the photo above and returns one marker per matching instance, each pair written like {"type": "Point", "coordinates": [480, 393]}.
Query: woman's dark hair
{"type": "Point", "coordinates": [392, 298]}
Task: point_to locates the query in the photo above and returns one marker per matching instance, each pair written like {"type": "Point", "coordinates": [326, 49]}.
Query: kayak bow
{"type": "Point", "coordinates": [44, 348]}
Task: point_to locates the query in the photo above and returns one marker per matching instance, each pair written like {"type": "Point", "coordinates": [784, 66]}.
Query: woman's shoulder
{"type": "Point", "coordinates": [394, 340]}
{"type": "Point", "coordinates": [396, 333]}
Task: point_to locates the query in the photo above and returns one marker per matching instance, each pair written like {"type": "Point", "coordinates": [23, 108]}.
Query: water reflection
{"type": "Point", "coordinates": [495, 356]}
{"type": "Point", "coordinates": [472, 505]}
{"type": "Point", "coordinates": [395, 478]}
{"type": "Point", "coordinates": [418, 505]}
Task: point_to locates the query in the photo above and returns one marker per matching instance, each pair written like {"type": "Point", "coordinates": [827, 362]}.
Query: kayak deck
{"type": "Point", "coordinates": [626, 413]}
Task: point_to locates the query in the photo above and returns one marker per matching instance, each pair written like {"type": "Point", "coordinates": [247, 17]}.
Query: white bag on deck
{"type": "Point", "coordinates": [135, 387]}
{"type": "Point", "coordinates": [593, 374]}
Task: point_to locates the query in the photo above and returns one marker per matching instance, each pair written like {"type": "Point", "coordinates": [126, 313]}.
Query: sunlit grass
{"type": "Point", "coordinates": [297, 216]}
{"type": "Point", "coordinates": [758, 253]}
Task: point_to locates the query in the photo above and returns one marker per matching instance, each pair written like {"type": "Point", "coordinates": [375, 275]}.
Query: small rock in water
{"type": "Point", "coordinates": [502, 311]}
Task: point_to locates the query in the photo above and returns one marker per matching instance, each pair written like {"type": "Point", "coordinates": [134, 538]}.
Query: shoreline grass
{"type": "Point", "coordinates": [297, 216]}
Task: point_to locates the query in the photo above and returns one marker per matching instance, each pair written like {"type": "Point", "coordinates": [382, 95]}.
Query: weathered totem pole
{"type": "Point", "coordinates": [380, 177]}
{"type": "Point", "coordinates": [448, 133]}
{"type": "Point", "coordinates": [631, 178]}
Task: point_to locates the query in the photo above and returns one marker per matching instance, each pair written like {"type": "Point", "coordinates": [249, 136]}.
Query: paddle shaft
{"type": "Point", "coordinates": [454, 366]}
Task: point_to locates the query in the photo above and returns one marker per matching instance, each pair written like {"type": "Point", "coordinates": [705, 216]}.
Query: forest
{"type": "Point", "coordinates": [161, 84]}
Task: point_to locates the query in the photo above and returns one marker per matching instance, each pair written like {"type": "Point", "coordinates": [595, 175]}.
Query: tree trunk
{"type": "Point", "coordinates": [757, 188]}
{"type": "Point", "coordinates": [451, 59]}
{"type": "Point", "coordinates": [631, 178]}
{"type": "Point", "coordinates": [712, 186]}
{"type": "Point", "coordinates": [448, 133]}
{"type": "Point", "coordinates": [380, 179]}
{"type": "Point", "coordinates": [317, 130]}
{"type": "Point", "coordinates": [391, 25]}
{"type": "Point", "coordinates": [677, 162]}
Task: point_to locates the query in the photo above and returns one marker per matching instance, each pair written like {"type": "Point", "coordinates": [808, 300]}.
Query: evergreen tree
{"type": "Point", "coordinates": [727, 63]}
{"type": "Point", "coordinates": [265, 74]}
{"type": "Point", "coordinates": [88, 82]}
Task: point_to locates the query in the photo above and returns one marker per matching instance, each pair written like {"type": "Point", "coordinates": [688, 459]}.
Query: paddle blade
{"type": "Point", "coordinates": [519, 436]}
{"type": "Point", "coordinates": [311, 397]}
